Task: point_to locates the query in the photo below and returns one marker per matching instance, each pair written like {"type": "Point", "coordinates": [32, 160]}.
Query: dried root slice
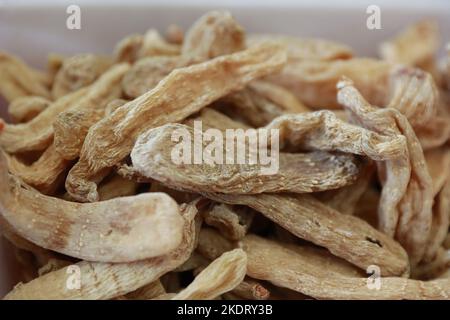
{"type": "Point", "coordinates": [434, 267]}
{"type": "Point", "coordinates": [101, 281]}
{"type": "Point", "coordinates": [127, 49]}
{"type": "Point", "coordinates": [202, 84]}
{"type": "Point", "coordinates": [174, 34]}
{"type": "Point", "coordinates": [447, 67]}
{"type": "Point", "coordinates": [153, 157]}
{"type": "Point", "coordinates": [414, 94]}
{"type": "Point", "coordinates": [213, 119]}
{"type": "Point", "coordinates": [77, 72]}
{"type": "Point", "coordinates": [147, 292]}
{"type": "Point", "coordinates": [38, 133]}
{"type": "Point", "coordinates": [54, 63]}
{"type": "Point", "coordinates": [212, 245]}
{"type": "Point", "coordinates": [406, 200]}
{"type": "Point", "coordinates": [438, 163]}
{"type": "Point", "coordinates": [117, 186]}
{"type": "Point", "coordinates": [413, 45]}
{"type": "Point", "coordinates": [345, 236]}
{"type": "Point", "coordinates": [301, 49]}
{"type": "Point", "coordinates": [222, 275]}
{"type": "Point", "coordinates": [314, 82]}
{"type": "Point", "coordinates": [155, 45]}
{"type": "Point", "coordinates": [270, 261]}
{"type": "Point", "coordinates": [195, 261]}
{"type": "Point", "coordinates": [233, 222]}
{"type": "Point", "coordinates": [324, 131]}
{"type": "Point", "coordinates": [436, 133]}
{"type": "Point", "coordinates": [212, 35]}
{"type": "Point", "coordinates": [251, 289]}
{"type": "Point", "coordinates": [46, 174]}
{"type": "Point", "coordinates": [24, 109]}
{"type": "Point", "coordinates": [53, 265]}
{"type": "Point", "coordinates": [18, 80]}
{"type": "Point", "coordinates": [110, 231]}
{"type": "Point", "coordinates": [440, 223]}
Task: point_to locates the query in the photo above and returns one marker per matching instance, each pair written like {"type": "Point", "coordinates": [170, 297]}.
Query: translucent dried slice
{"type": "Point", "coordinates": [37, 134]}
{"type": "Point", "coordinates": [313, 82]}
{"type": "Point", "coordinates": [152, 157]}
{"type": "Point", "coordinates": [345, 236]}
{"type": "Point", "coordinates": [79, 71]}
{"type": "Point", "coordinates": [117, 186]}
{"type": "Point", "coordinates": [201, 84]}
{"type": "Point", "coordinates": [222, 275]}
{"type": "Point", "coordinates": [413, 45]}
{"type": "Point", "coordinates": [270, 261]}
{"type": "Point", "coordinates": [214, 34]}
{"type": "Point", "coordinates": [406, 200]}
{"type": "Point", "coordinates": [109, 231]}
{"type": "Point", "coordinates": [106, 280]}
{"type": "Point", "coordinates": [24, 109]}
{"type": "Point", "coordinates": [18, 80]}
{"type": "Point", "coordinates": [301, 49]}
{"type": "Point", "coordinates": [438, 164]}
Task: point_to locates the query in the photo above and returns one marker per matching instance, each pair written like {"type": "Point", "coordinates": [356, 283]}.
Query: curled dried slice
{"type": "Point", "coordinates": [24, 109]}
{"type": "Point", "coordinates": [110, 231]}
{"type": "Point", "coordinates": [345, 236]}
{"type": "Point", "coordinates": [77, 72]}
{"type": "Point", "coordinates": [222, 275]}
{"type": "Point", "coordinates": [301, 49]}
{"type": "Point", "coordinates": [212, 35]}
{"type": "Point", "coordinates": [413, 45]}
{"type": "Point", "coordinates": [18, 80]}
{"type": "Point", "coordinates": [314, 82]}
{"type": "Point", "coordinates": [201, 84]}
{"type": "Point", "coordinates": [406, 200]}
{"type": "Point", "coordinates": [37, 134]}
{"type": "Point", "coordinates": [96, 277]}
{"type": "Point", "coordinates": [268, 260]}
{"type": "Point", "coordinates": [153, 157]}
{"type": "Point", "coordinates": [438, 164]}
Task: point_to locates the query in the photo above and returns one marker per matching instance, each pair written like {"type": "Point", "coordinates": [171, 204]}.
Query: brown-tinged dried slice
{"type": "Point", "coordinates": [79, 71]}
{"type": "Point", "coordinates": [179, 196]}
{"type": "Point", "coordinates": [19, 80]}
{"type": "Point", "coordinates": [414, 93]}
{"type": "Point", "coordinates": [147, 292]}
{"type": "Point", "coordinates": [117, 186]}
{"type": "Point", "coordinates": [196, 260]}
{"type": "Point", "coordinates": [222, 275]}
{"type": "Point", "coordinates": [109, 231]}
{"type": "Point", "coordinates": [211, 118]}
{"type": "Point", "coordinates": [233, 222]}
{"type": "Point", "coordinates": [270, 261]}
{"type": "Point", "coordinates": [432, 268]}
{"type": "Point", "coordinates": [53, 265]}
{"type": "Point", "coordinates": [212, 245]}
{"type": "Point", "coordinates": [413, 45]}
{"type": "Point", "coordinates": [345, 236]}
{"type": "Point", "coordinates": [438, 164]}
{"type": "Point", "coordinates": [406, 200]}
{"type": "Point", "coordinates": [27, 268]}
{"type": "Point", "coordinates": [153, 44]}
{"type": "Point", "coordinates": [301, 49]}
{"type": "Point", "coordinates": [174, 34]}
{"type": "Point", "coordinates": [440, 222]}
{"type": "Point", "coordinates": [214, 34]}
{"type": "Point", "coordinates": [96, 283]}
{"type": "Point", "coordinates": [153, 157]}
{"type": "Point", "coordinates": [54, 63]}
{"type": "Point", "coordinates": [446, 72]}
{"type": "Point", "coordinates": [201, 84]}
{"type": "Point", "coordinates": [45, 174]}
{"type": "Point", "coordinates": [251, 289]}
{"type": "Point", "coordinates": [446, 243]}
{"type": "Point", "coordinates": [314, 82]}
{"type": "Point", "coordinates": [435, 133]}
{"type": "Point", "coordinates": [37, 134]}
{"type": "Point", "coordinates": [25, 108]}
{"type": "Point", "coordinates": [127, 49]}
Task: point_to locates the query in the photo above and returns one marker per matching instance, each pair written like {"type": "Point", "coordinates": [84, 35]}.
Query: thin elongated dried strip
{"type": "Point", "coordinates": [101, 281]}
{"type": "Point", "coordinates": [406, 200]}
{"type": "Point", "coordinates": [222, 275]}
{"type": "Point", "coordinates": [38, 133]}
{"type": "Point", "coordinates": [314, 82]}
{"type": "Point", "coordinates": [414, 94]}
{"type": "Point", "coordinates": [117, 186]}
{"type": "Point", "coordinates": [301, 49]}
{"type": "Point", "coordinates": [18, 80]}
{"type": "Point", "coordinates": [53, 265]}
{"type": "Point", "coordinates": [127, 49]}
{"type": "Point", "coordinates": [413, 45]}
{"type": "Point", "coordinates": [77, 72]}
{"type": "Point", "coordinates": [440, 223]}
{"type": "Point", "coordinates": [174, 34]}
{"type": "Point", "coordinates": [345, 236]}
{"type": "Point", "coordinates": [438, 163]}
{"type": "Point", "coordinates": [147, 292]}
{"type": "Point", "coordinates": [105, 231]}
{"type": "Point", "coordinates": [346, 198]}
{"type": "Point", "coordinates": [251, 289]}
{"type": "Point", "coordinates": [46, 174]}
{"type": "Point", "coordinates": [211, 118]}
{"type": "Point", "coordinates": [232, 222]}
{"type": "Point", "coordinates": [179, 196]}
{"type": "Point", "coordinates": [54, 63]}
{"type": "Point", "coordinates": [118, 132]}
{"type": "Point", "coordinates": [215, 33]}
{"type": "Point", "coordinates": [24, 109]}
{"type": "Point", "coordinates": [283, 267]}
{"type": "Point", "coordinates": [152, 157]}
